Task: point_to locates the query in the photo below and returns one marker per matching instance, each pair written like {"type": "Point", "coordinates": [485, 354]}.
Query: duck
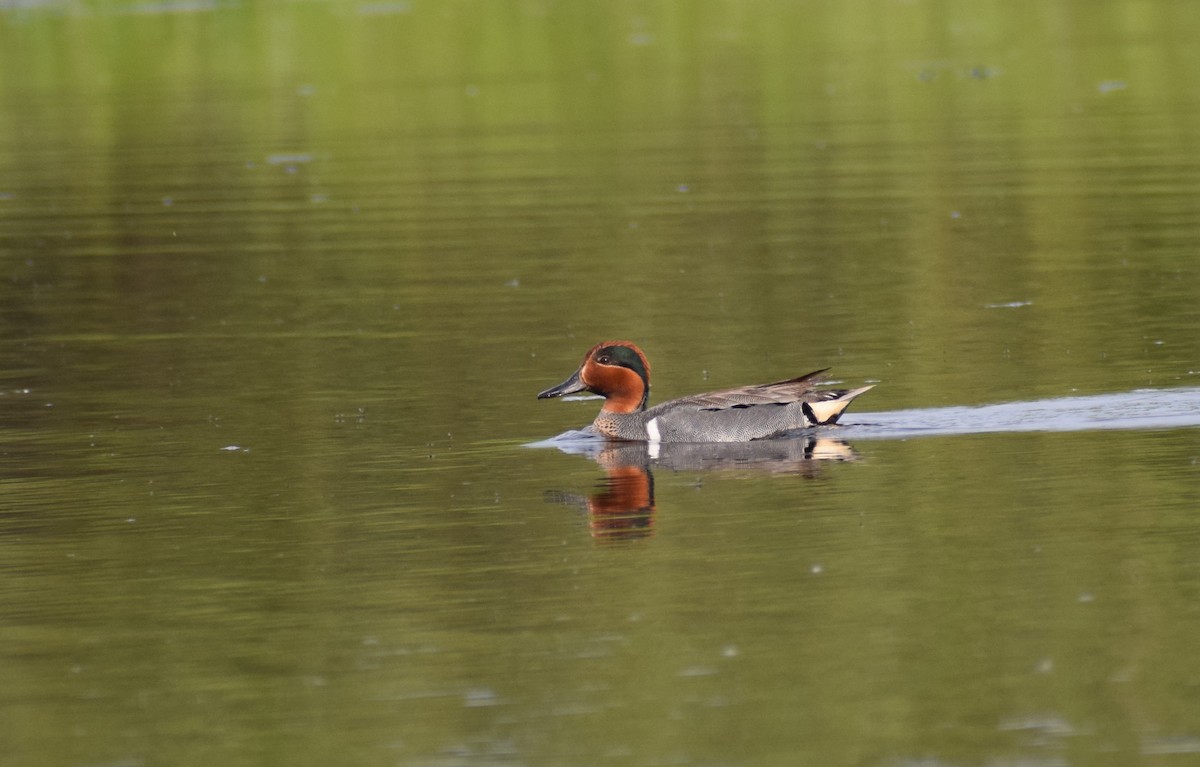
{"type": "Point", "coordinates": [620, 372]}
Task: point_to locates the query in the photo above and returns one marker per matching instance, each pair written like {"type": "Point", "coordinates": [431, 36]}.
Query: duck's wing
{"type": "Point", "coordinates": [820, 406]}
{"type": "Point", "coordinates": [777, 393]}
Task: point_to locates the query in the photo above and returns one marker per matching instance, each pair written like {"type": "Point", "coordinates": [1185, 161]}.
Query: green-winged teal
{"type": "Point", "coordinates": [619, 372]}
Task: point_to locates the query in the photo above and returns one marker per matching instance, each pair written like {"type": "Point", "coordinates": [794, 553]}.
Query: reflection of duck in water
{"type": "Point", "coordinates": [624, 505]}
{"type": "Point", "coordinates": [619, 372]}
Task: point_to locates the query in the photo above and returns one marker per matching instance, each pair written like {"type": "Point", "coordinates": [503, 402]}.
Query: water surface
{"type": "Point", "coordinates": [278, 286]}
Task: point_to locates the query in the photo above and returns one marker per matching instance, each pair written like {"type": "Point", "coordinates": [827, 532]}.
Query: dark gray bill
{"type": "Point", "coordinates": [569, 386]}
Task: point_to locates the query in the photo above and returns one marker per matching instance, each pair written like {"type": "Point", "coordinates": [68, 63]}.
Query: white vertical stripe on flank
{"type": "Point", "coordinates": [652, 432]}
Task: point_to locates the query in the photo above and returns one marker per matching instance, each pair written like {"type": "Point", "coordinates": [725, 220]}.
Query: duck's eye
{"type": "Point", "coordinates": [604, 359]}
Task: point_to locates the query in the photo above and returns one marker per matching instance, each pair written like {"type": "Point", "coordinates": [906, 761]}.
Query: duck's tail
{"type": "Point", "coordinates": [832, 403]}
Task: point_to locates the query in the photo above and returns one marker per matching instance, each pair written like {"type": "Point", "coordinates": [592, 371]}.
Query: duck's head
{"type": "Point", "coordinates": [617, 371]}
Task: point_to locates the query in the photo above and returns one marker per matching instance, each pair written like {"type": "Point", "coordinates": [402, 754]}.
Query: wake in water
{"type": "Point", "coordinates": [1138, 409]}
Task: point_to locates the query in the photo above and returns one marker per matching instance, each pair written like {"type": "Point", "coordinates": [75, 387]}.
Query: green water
{"type": "Point", "coordinates": [279, 283]}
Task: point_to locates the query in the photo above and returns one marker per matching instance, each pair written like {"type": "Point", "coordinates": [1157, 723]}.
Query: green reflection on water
{"type": "Point", "coordinates": [353, 240]}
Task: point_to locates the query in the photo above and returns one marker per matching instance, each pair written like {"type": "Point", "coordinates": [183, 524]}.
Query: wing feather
{"type": "Point", "coordinates": [777, 393]}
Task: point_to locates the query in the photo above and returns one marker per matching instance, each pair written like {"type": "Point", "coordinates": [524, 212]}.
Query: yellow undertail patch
{"type": "Point", "coordinates": [828, 411]}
